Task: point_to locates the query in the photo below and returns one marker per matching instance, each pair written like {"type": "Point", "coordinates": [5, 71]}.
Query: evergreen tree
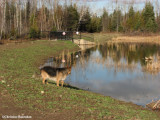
{"type": "Point", "coordinates": [131, 12]}
{"type": "Point", "coordinates": [151, 25]}
{"type": "Point", "coordinates": [131, 19]}
{"type": "Point", "coordinates": [34, 31]}
{"type": "Point", "coordinates": [95, 24]}
{"type": "Point", "coordinates": [149, 18]}
{"type": "Point", "coordinates": [72, 18]}
{"type": "Point", "coordinates": [138, 22]}
{"type": "Point", "coordinates": [105, 20]}
{"type": "Point", "coordinates": [158, 22]}
{"type": "Point", "coordinates": [116, 21]}
{"type": "Point", "coordinates": [110, 23]}
{"type": "Point", "coordinates": [85, 22]}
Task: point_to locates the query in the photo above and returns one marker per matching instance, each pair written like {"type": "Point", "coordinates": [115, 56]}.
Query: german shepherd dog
{"type": "Point", "coordinates": [55, 74]}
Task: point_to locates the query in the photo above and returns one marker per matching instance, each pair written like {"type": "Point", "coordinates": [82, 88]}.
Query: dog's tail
{"type": "Point", "coordinates": [36, 75]}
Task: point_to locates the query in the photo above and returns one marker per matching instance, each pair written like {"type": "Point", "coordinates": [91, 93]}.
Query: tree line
{"type": "Point", "coordinates": [132, 21]}
{"type": "Point", "coordinates": [31, 18]}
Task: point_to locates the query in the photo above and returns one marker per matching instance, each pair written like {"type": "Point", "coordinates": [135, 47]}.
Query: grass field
{"type": "Point", "coordinates": [22, 93]}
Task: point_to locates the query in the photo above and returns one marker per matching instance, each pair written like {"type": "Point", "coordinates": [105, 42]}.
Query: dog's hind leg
{"type": "Point", "coordinates": [58, 82]}
{"type": "Point", "coordinates": [62, 82]}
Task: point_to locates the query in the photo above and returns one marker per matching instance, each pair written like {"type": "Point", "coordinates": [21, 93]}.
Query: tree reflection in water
{"type": "Point", "coordinates": [117, 70]}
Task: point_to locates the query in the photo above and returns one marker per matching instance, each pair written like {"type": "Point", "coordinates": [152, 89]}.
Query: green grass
{"type": "Point", "coordinates": [100, 38]}
{"type": "Point", "coordinates": [104, 37]}
{"type": "Point", "coordinates": [18, 64]}
{"type": "Point", "coordinates": [85, 36]}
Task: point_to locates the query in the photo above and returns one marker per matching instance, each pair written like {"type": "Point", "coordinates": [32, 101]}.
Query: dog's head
{"type": "Point", "coordinates": [69, 70]}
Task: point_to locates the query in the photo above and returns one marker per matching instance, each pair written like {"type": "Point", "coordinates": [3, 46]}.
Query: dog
{"type": "Point", "coordinates": [55, 74]}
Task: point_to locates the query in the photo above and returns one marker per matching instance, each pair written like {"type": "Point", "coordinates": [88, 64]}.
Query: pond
{"type": "Point", "coordinates": [121, 71]}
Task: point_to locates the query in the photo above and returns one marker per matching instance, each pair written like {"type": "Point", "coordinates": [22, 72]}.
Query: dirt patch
{"type": "Point", "coordinates": [8, 108]}
{"type": "Point", "coordinates": [13, 45]}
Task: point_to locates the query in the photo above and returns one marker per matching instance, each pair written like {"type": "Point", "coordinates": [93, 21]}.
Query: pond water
{"type": "Point", "coordinates": [116, 70]}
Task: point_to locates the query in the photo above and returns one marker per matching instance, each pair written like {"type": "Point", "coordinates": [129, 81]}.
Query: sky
{"type": "Point", "coordinates": [97, 6]}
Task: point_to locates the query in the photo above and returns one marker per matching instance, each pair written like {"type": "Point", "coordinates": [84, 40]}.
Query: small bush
{"type": "Point", "coordinates": [54, 29]}
{"type": "Point", "coordinates": [34, 33]}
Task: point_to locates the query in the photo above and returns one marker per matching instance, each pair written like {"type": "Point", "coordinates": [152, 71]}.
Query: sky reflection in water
{"type": "Point", "coordinates": [117, 70]}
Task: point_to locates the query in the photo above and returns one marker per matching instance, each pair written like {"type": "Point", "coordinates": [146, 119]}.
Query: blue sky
{"type": "Point", "coordinates": [97, 6]}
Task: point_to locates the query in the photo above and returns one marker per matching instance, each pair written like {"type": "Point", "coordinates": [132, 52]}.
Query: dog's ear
{"type": "Point", "coordinates": [69, 67]}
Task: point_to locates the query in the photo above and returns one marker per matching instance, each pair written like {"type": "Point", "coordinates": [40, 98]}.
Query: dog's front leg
{"type": "Point", "coordinates": [44, 81]}
{"type": "Point", "coordinates": [58, 78]}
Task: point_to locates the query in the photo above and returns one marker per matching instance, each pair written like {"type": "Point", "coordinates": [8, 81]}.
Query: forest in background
{"type": "Point", "coordinates": [32, 18]}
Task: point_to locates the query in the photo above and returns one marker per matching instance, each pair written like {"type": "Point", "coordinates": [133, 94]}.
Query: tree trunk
{"type": "Point", "coordinates": [3, 19]}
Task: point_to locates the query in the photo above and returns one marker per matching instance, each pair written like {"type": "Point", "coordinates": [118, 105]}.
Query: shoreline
{"type": "Point", "coordinates": [23, 60]}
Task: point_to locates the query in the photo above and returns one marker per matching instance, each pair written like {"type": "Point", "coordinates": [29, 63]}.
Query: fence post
{"type": "Point", "coordinates": [49, 35]}
{"type": "Point", "coordinates": [72, 38]}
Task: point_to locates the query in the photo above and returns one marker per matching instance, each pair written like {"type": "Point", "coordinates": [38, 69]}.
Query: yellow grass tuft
{"type": "Point", "coordinates": [138, 39]}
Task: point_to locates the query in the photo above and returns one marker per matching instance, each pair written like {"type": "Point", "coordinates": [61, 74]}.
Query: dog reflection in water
{"type": "Point", "coordinates": [55, 74]}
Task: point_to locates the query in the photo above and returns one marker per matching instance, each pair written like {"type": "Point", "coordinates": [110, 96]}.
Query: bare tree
{"type": "Point", "coordinates": [82, 11]}
{"type": "Point", "coordinates": [3, 13]}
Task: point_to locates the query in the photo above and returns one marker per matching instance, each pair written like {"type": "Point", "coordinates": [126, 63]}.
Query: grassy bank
{"type": "Point", "coordinates": [105, 37]}
{"type": "Point", "coordinates": [102, 38]}
{"type": "Point", "coordinates": [99, 38]}
{"type": "Point", "coordinates": [19, 62]}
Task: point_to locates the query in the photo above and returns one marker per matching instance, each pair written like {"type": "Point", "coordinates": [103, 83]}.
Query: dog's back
{"type": "Point", "coordinates": [55, 74]}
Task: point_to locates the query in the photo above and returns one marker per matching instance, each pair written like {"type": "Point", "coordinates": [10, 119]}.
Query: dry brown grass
{"type": "Point", "coordinates": [138, 39]}
{"type": "Point", "coordinates": [153, 66]}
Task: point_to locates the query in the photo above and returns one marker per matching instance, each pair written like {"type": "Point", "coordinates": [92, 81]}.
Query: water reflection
{"type": "Point", "coordinates": [117, 70]}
